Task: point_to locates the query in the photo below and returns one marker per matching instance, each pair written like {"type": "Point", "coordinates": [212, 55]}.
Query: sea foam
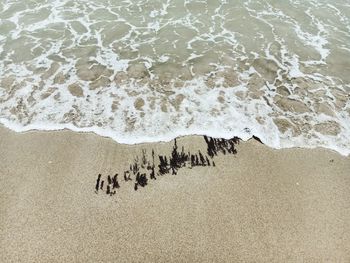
{"type": "Point", "coordinates": [147, 71]}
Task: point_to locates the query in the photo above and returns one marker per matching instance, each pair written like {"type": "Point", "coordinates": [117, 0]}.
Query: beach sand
{"type": "Point", "coordinates": [259, 205]}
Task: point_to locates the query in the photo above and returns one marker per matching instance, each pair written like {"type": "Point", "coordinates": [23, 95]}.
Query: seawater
{"type": "Point", "coordinates": [151, 70]}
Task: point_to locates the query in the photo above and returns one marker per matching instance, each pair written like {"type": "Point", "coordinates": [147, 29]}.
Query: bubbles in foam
{"type": "Point", "coordinates": [150, 70]}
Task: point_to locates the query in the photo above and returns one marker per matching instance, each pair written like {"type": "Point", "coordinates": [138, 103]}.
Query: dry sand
{"type": "Point", "coordinates": [260, 205]}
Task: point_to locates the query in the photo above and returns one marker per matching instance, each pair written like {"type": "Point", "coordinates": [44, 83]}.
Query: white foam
{"type": "Point", "coordinates": [231, 60]}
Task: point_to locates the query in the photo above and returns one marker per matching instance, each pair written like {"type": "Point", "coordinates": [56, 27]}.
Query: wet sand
{"type": "Point", "coordinates": [259, 205]}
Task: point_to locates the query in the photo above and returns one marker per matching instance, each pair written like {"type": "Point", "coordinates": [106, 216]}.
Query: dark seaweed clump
{"type": "Point", "coordinates": [112, 184]}
{"type": "Point", "coordinates": [224, 146]}
{"type": "Point", "coordinates": [141, 170]}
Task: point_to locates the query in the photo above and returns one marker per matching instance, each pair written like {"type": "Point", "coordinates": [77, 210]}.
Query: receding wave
{"type": "Point", "coordinates": [150, 70]}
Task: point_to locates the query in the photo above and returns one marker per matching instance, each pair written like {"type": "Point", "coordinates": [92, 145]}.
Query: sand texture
{"type": "Point", "coordinates": [259, 205]}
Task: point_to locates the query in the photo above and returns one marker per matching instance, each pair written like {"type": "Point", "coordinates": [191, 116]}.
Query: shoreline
{"type": "Point", "coordinates": [260, 204]}
{"type": "Point", "coordinates": [4, 123]}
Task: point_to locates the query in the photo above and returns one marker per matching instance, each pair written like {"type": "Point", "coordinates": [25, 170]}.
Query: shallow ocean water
{"type": "Point", "coordinates": [147, 70]}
